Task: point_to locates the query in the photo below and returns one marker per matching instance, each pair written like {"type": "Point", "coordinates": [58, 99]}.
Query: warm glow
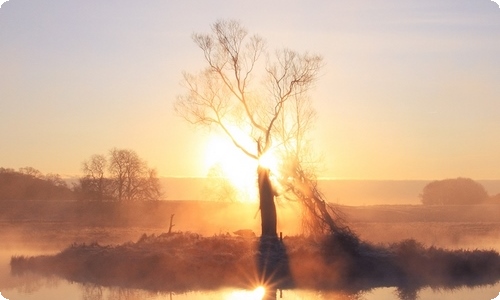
{"type": "Point", "coordinates": [240, 169]}
{"type": "Point", "coordinates": [256, 294]}
{"type": "Point", "coordinates": [269, 160]}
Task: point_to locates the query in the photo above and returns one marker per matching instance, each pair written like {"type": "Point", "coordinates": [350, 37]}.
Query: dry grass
{"type": "Point", "coordinates": [186, 261]}
{"type": "Point", "coordinates": [165, 262]}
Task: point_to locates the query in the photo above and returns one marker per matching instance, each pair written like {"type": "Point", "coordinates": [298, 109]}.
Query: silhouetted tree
{"type": "Point", "coordinates": [94, 183]}
{"type": "Point", "coordinates": [128, 179]}
{"type": "Point", "coordinates": [30, 184]}
{"type": "Point", "coordinates": [150, 189]}
{"type": "Point", "coordinates": [31, 172]}
{"type": "Point", "coordinates": [126, 170]}
{"type": "Point", "coordinates": [219, 187]}
{"type": "Point", "coordinates": [253, 113]}
{"type": "Point", "coordinates": [453, 191]}
{"type": "Point", "coordinates": [55, 179]}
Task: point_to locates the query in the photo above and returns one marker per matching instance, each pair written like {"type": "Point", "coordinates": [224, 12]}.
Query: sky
{"type": "Point", "coordinates": [409, 90]}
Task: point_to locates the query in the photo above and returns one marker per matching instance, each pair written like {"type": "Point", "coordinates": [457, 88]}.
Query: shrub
{"type": "Point", "coordinates": [453, 192]}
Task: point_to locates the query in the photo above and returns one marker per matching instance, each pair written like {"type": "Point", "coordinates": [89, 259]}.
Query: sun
{"type": "Point", "coordinates": [269, 160]}
{"type": "Point", "coordinates": [240, 169]}
{"type": "Point", "coordinates": [256, 294]}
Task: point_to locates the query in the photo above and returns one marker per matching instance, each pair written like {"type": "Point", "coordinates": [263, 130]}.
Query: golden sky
{"type": "Point", "coordinates": [410, 89]}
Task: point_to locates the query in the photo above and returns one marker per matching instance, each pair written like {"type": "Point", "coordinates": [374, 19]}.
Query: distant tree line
{"type": "Point", "coordinates": [120, 176]}
{"type": "Point", "coordinates": [454, 191]}
{"type": "Point", "coordinates": [30, 184]}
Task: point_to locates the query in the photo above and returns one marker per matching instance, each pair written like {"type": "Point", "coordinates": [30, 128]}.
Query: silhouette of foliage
{"type": "Point", "coordinates": [30, 184]}
{"type": "Point", "coordinates": [123, 176]}
{"type": "Point", "coordinates": [453, 191]}
{"type": "Point", "coordinates": [259, 106]}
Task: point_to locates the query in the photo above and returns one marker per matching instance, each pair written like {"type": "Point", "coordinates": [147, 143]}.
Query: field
{"type": "Point", "coordinates": [443, 226]}
{"type": "Point", "coordinates": [94, 242]}
{"type": "Point", "coordinates": [63, 223]}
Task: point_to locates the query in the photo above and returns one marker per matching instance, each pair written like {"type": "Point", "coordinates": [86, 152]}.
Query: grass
{"type": "Point", "coordinates": [186, 261]}
{"type": "Point", "coordinates": [176, 262]}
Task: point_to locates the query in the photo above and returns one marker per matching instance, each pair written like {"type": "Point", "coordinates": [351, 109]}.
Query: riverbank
{"type": "Point", "coordinates": [113, 231]}
{"type": "Point", "coordinates": [181, 262]}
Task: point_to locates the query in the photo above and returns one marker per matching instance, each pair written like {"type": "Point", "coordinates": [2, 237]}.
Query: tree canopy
{"type": "Point", "coordinates": [254, 103]}
{"type": "Point", "coordinates": [30, 184]}
{"type": "Point", "coordinates": [122, 176]}
{"type": "Point", "coordinates": [260, 100]}
{"type": "Point", "coordinates": [453, 191]}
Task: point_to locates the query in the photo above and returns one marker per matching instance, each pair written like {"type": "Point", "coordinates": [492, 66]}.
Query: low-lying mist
{"type": "Point", "coordinates": [182, 262]}
{"type": "Point", "coordinates": [128, 246]}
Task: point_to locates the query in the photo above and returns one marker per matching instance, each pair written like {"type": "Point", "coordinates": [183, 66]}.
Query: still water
{"type": "Point", "coordinates": [36, 287]}
{"type": "Point", "coordinates": [31, 286]}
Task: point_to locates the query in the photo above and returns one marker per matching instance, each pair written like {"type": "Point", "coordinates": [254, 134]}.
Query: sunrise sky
{"type": "Point", "coordinates": [410, 89]}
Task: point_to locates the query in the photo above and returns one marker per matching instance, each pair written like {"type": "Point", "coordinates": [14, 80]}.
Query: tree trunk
{"type": "Point", "coordinates": [267, 206]}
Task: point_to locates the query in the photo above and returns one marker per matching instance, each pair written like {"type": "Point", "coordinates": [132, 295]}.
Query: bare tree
{"type": "Point", "coordinates": [124, 165]}
{"type": "Point", "coordinates": [219, 187]}
{"type": "Point", "coordinates": [122, 177]}
{"type": "Point", "coordinates": [132, 179]}
{"type": "Point", "coordinates": [150, 188]}
{"type": "Point", "coordinates": [256, 115]}
{"type": "Point", "coordinates": [31, 172]}
{"type": "Point", "coordinates": [94, 178]}
{"type": "Point", "coordinates": [56, 180]}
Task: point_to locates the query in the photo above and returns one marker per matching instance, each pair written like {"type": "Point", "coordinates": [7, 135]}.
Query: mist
{"type": "Point", "coordinates": [53, 241]}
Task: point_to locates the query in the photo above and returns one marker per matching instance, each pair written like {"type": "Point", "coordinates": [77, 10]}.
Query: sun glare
{"type": "Point", "coordinates": [240, 169]}
{"type": "Point", "coordinates": [269, 160]}
{"type": "Point", "coordinates": [256, 294]}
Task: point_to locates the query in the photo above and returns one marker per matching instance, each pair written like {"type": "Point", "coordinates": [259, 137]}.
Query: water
{"type": "Point", "coordinates": [61, 289]}
{"type": "Point", "coordinates": [36, 287]}
{"type": "Point", "coordinates": [27, 242]}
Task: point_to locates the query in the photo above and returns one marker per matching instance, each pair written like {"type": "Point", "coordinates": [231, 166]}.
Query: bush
{"type": "Point", "coordinates": [453, 192]}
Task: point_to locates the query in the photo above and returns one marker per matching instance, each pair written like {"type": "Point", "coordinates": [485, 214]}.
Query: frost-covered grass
{"type": "Point", "coordinates": [188, 261]}
{"type": "Point", "coordinates": [180, 261]}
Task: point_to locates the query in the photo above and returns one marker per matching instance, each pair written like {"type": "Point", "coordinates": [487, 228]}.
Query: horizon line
{"type": "Point", "coordinates": [350, 179]}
